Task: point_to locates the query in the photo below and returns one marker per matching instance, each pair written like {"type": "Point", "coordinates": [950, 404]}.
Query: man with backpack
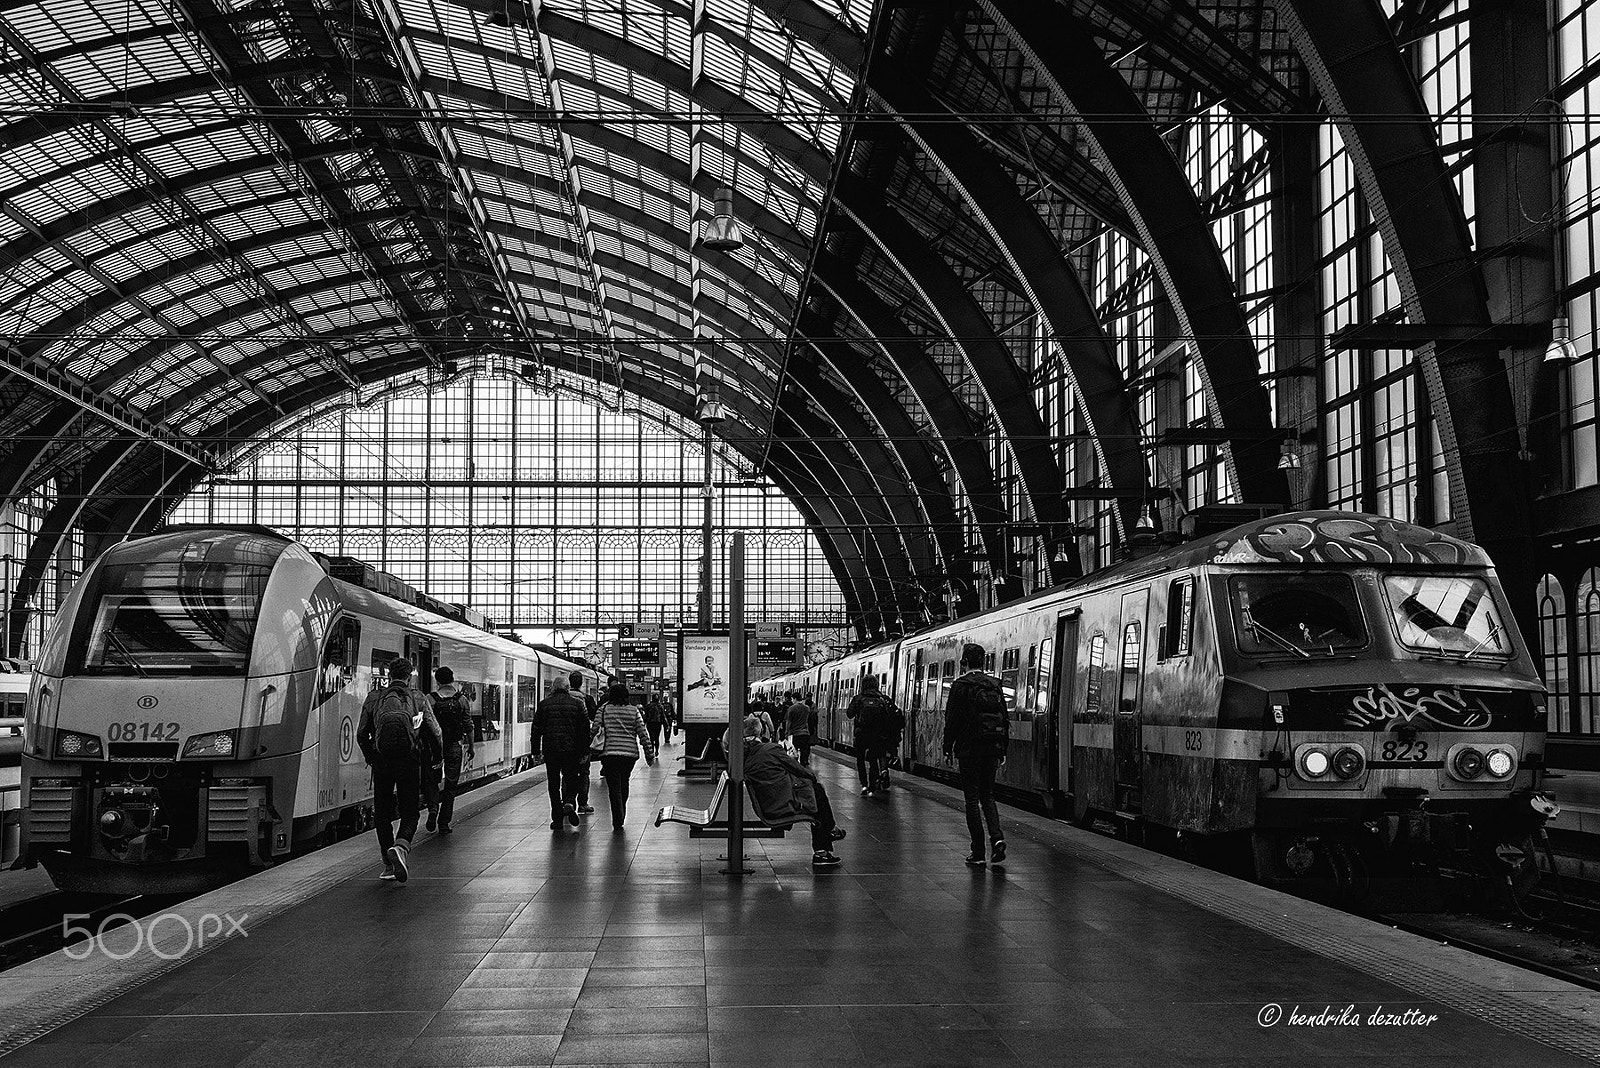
{"type": "Point", "coordinates": [392, 717]}
{"type": "Point", "coordinates": [454, 713]}
{"type": "Point", "coordinates": [878, 726]}
{"type": "Point", "coordinates": [976, 733]}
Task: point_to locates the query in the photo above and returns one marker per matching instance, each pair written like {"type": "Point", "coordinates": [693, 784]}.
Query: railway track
{"type": "Point", "coordinates": [30, 929]}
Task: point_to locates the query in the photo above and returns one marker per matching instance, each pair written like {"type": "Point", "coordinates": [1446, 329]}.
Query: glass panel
{"type": "Point", "coordinates": [1452, 615]}
{"type": "Point", "coordinates": [1299, 615]}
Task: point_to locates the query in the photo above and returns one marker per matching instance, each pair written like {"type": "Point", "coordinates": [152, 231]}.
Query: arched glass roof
{"type": "Point", "coordinates": [208, 203]}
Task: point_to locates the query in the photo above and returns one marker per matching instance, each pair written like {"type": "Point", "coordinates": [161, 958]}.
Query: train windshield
{"type": "Point", "coordinates": [1300, 615]}
{"type": "Point", "coordinates": [1447, 615]}
{"type": "Point", "coordinates": [187, 608]}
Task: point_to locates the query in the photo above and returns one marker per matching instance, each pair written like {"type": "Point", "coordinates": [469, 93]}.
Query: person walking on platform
{"type": "Point", "coordinates": [654, 718]}
{"type": "Point", "coordinates": [878, 725]}
{"type": "Point", "coordinates": [454, 713]}
{"type": "Point", "coordinates": [391, 718]}
{"type": "Point", "coordinates": [975, 732]}
{"type": "Point", "coordinates": [575, 681]}
{"type": "Point", "coordinates": [561, 731]}
{"type": "Point", "coordinates": [783, 788]}
{"type": "Point", "coordinates": [623, 731]}
{"type": "Point", "coordinates": [797, 725]}
{"type": "Point", "coordinates": [671, 711]}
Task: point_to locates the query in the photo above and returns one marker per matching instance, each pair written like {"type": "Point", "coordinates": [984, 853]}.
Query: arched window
{"type": "Point", "coordinates": [1553, 652]}
{"type": "Point", "coordinates": [1586, 696]}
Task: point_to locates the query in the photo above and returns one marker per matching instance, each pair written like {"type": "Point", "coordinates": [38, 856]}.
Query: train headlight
{"type": "Point", "coordinates": [1469, 763]}
{"type": "Point", "coordinates": [1314, 763]}
{"type": "Point", "coordinates": [1500, 763]}
{"type": "Point", "coordinates": [218, 746]}
{"type": "Point", "coordinates": [112, 823]}
{"type": "Point", "coordinates": [1348, 762]}
{"type": "Point", "coordinates": [73, 744]}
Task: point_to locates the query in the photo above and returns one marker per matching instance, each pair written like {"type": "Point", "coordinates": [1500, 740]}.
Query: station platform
{"type": "Point", "coordinates": [513, 944]}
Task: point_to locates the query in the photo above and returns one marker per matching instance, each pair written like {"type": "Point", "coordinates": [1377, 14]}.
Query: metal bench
{"type": "Point", "coordinates": [695, 817]}
{"type": "Point", "coordinates": [703, 822]}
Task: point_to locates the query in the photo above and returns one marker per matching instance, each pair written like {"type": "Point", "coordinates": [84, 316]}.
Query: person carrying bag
{"type": "Point", "coordinates": [619, 735]}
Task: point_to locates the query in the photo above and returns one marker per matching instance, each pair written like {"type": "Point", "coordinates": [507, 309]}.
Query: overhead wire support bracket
{"type": "Point", "coordinates": [73, 389]}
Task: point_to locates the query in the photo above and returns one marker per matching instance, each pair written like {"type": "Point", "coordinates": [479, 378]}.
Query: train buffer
{"type": "Point", "coordinates": [705, 822]}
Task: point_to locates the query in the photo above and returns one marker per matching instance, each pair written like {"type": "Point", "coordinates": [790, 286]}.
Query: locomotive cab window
{"type": "Point", "coordinates": [190, 609]}
{"type": "Point", "coordinates": [1447, 615]}
{"type": "Point", "coordinates": [1180, 618]}
{"type": "Point", "coordinates": [1304, 615]}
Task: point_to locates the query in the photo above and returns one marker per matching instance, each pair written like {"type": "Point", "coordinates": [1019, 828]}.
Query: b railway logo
{"type": "Point", "coordinates": [347, 739]}
{"type": "Point", "coordinates": [147, 701]}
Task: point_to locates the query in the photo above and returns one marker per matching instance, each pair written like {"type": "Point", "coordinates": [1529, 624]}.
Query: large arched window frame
{"type": "Point", "coordinates": [1586, 695]}
{"type": "Point", "coordinates": [1553, 649]}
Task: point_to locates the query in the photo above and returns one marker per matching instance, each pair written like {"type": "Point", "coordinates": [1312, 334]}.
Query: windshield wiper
{"type": "Point", "coordinates": [1279, 640]}
{"type": "Point", "coordinates": [1494, 635]}
{"type": "Point", "coordinates": [112, 639]}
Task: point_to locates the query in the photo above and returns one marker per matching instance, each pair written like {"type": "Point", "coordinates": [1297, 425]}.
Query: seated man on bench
{"type": "Point", "coordinates": [784, 791]}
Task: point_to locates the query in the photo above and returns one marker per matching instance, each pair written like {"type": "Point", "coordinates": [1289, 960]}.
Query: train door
{"type": "Point", "coordinates": [916, 675]}
{"type": "Point", "coordinates": [1128, 730]}
{"type": "Point", "coordinates": [508, 715]}
{"type": "Point", "coordinates": [423, 654]}
{"type": "Point", "coordinates": [1057, 671]}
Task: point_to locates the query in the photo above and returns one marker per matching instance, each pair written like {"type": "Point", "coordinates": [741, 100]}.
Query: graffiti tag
{"type": "Point", "coordinates": [1449, 709]}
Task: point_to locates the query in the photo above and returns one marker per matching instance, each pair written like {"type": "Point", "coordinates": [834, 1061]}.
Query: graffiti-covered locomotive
{"type": "Point", "coordinates": [1331, 689]}
{"type": "Point", "coordinates": [194, 709]}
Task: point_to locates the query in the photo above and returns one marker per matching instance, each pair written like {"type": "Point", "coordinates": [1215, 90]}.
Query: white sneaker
{"type": "Point", "coordinates": [388, 874]}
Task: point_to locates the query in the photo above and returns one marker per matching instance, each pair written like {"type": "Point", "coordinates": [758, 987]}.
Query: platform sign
{"type": "Point", "coordinates": [773, 630]}
{"type": "Point", "coordinates": [633, 653]}
{"type": "Point", "coordinates": [640, 631]}
{"type": "Point", "coordinates": [771, 652]}
{"type": "Point", "coordinates": [703, 678]}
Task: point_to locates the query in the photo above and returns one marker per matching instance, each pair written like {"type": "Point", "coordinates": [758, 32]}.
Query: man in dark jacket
{"type": "Point", "coordinates": [453, 709]}
{"type": "Point", "coordinates": [978, 756]}
{"type": "Point", "coordinates": [784, 788]}
{"type": "Point", "coordinates": [561, 731]}
{"type": "Point", "coordinates": [878, 725]}
{"type": "Point", "coordinates": [797, 725]}
{"type": "Point", "coordinates": [575, 684]}
{"type": "Point", "coordinates": [395, 776]}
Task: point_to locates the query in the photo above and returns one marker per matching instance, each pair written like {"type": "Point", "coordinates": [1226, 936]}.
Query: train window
{"type": "Point", "coordinates": [1097, 670]}
{"type": "Point", "coordinates": [340, 655]}
{"type": "Point", "coordinates": [1309, 614]}
{"type": "Point", "coordinates": [1132, 657]}
{"type": "Point", "coordinates": [1041, 700]}
{"type": "Point", "coordinates": [1010, 672]}
{"type": "Point", "coordinates": [527, 698]}
{"type": "Point", "coordinates": [1180, 617]}
{"type": "Point", "coordinates": [1450, 615]}
{"type": "Point", "coordinates": [188, 614]}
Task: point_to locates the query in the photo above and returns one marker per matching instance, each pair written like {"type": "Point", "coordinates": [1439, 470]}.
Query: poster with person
{"type": "Point", "coordinates": [703, 678]}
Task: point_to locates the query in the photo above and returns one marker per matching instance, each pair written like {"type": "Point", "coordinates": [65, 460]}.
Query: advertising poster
{"type": "Point", "coordinates": [703, 678]}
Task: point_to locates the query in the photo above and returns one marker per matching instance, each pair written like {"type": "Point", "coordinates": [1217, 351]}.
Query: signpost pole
{"type": "Point", "coordinates": [738, 654]}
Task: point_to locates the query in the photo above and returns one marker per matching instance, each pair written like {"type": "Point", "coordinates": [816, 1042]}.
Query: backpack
{"type": "Point", "coordinates": [989, 708]}
{"type": "Point", "coordinates": [881, 716]}
{"type": "Point", "coordinates": [451, 712]}
{"type": "Point", "coordinates": [391, 727]}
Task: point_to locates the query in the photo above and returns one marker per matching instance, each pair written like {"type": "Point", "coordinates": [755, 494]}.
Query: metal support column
{"type": "Point", "coordinates": [738, 654]}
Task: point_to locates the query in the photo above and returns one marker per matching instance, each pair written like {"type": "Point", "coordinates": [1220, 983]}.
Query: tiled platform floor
{"type": "Point", "coordinates": [516, 945]}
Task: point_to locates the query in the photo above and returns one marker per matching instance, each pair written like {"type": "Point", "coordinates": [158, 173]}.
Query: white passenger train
{"type": "Point", "coordinates": [193, 712]}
